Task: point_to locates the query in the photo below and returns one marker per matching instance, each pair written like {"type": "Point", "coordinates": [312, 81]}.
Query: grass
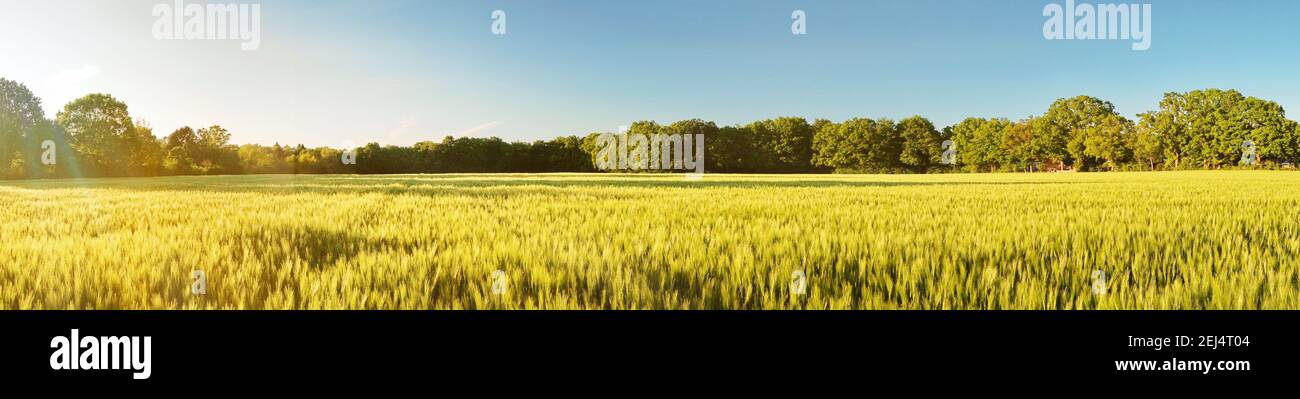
{"type": "Point", "coordinates": [1165, 240]}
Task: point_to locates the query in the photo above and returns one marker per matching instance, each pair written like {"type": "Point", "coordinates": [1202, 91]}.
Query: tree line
{"type": "Point", "coordinates": [95, 135]}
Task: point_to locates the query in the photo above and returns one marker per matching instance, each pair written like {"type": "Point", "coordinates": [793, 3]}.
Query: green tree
{"type": "Point", "coordinates": [22, 129]}
{"type": "Point", "coordinates": [858, 145]}
{"type": "Point", "coordinates": [1018, 145]}
{"type": "Point", "coordinates": [563, 154]}
{"type": "Point", "coordinates": [1147, 143]}
{"type": "Point", "coordinates": [1060, 133]}
{"type": "Point", "coordinates": [920, 143]}
{"type": "Point", "coordinates": [784, 144]}
{"type": "Point", "coordinates": [98, 127]}
{"type": "Point", "coordinates": [179, 150]}
{"type": "Point", "coordinates": [1264, 123]}
{"type": "Point", "coordinates": [731, 150]}
{"type": "Point", "coordinates": [979, 143]}
{"type": "Point", "coordinates": [258, 159]}
{"type": "Point", "coordinates": [688, 129]}
{"type": "Point", "coordinates": [1109, 141]}
{"type": "Point", "coordinates": [144, 151]}
{"type": "Point", "coordinates": [1205, 128]}
{"type": "Point", "coordinates": [213, 153]}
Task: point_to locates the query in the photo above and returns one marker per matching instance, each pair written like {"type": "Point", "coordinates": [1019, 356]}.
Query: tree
{"type": "Point", "coordinates": [22, 129]}
{"type": "Point", "coordinates": [258, 159]}
{"type": "Point", "coordinates": [1206, 128]}
{"type": "Point", "coordinates": [1147, 144]}
{"type": "Point", "coordinates": [1109, 141]}
{"type": "Point", "coordinates": [920, 143]}
{"type": "Point", "coordinates": [1060, 133]}
{"type": "Point", "coordinates": [1018, 145]}
{"type": "Point", "coordinates": [213, 153]}
{"type": "Point", "coordinates": [183, 138]}
{"type": "Point", "coordinates": [785, 144]}
{"type": "Point", "coordinates": [1202, 128]}
{"type": "Point", "coordinates": [832, 145]}
{"type": "Point", "coordinates": [1265, 124]}
{"type": "Point", "coordinates": [979, 143]}
{"type": "Point", "coordinates": [731, 150]}
{"type": "Point", "coordinates": [179, 148]}
{"type": "Point", "coordinates": [563, 154]}
{"type": "Point", "coordinates": [144, 151]}
{"type": "Point", "coordinates": [454, 155]}
{"type": "Point", "coordinates": [688, 129]}
{"type": "Point", "coordinates": [858, 145]}
{"type": "Point", "coordinates": [98, 127]}
{"type": "Point", "coordinates": [213, 137]}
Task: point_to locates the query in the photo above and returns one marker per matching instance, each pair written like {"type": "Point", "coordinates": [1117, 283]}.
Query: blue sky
{"type": "Point", "coordinates": [398, 72]}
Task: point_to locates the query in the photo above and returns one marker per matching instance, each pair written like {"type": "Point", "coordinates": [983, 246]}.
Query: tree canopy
{"type": "Point", "coordinates": [23, 128]}
{"type": "Point", "coordinates": [95, 135]}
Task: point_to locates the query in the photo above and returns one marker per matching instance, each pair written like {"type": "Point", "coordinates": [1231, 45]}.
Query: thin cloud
{"type": "Point", "coordinates": [402, 128]}
{"type": "Point", "coordinates": [479, 128]}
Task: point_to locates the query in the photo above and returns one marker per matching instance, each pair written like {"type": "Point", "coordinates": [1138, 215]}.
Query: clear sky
{"type": "Point", "coordinates": [398, 72]}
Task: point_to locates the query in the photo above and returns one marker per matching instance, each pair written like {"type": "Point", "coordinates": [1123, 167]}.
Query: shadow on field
{"type": "Point", "coordinates": [318, 248]}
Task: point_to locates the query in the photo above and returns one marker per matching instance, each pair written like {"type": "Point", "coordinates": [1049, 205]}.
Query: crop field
{"type": "Point", "coordinates": [1161, 240]}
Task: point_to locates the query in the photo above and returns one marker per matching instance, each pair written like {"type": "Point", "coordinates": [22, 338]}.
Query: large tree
{"type": "Point", "coordinates": [144, 151]}
{"type": "Point", "coordinates": [688, 129]}
{"type": "Point", "coordinates": [979, 143]}
{"type": "Point", "coordinates": [920, 143]}
{"type": "Point", "coordinates": [98, 127]}
{"type": "Point", "coordinates": [785, 144]}
{"type": "Point", "coordinates": [1148, 143]}
{"type": "Point", "coordinates": [1206, 128]}
{"type": "Point", "coordinates": [1018, 145]}
{"type": "Point", "coordinates": [178, 151]}
{"type": "Point", "coordinates": [208, 151]}
{"type": "Point", "coordinates": [1110, 141]}
{"type": "Point", "coordinates": [731, 150]}
{"type": "Point", "coordinates": [1061, 133]}
{"type": "Point", "coordinates": [858, 145]}
{"type": "Point", "coordinates": [23, 128]}
{"type": "Point", "coordinates": [215, 155]}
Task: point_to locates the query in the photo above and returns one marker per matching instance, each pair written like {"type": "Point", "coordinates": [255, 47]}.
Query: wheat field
{"type": "Point", "coordinates": [1160, 240]}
